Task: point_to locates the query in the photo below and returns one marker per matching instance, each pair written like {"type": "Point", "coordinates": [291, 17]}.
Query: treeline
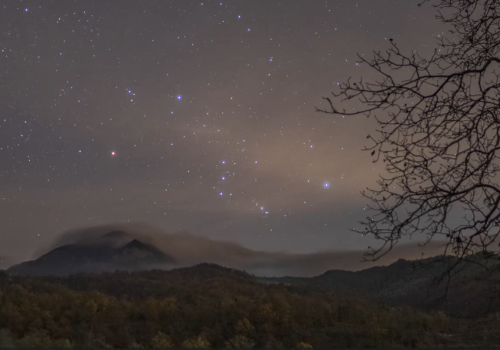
{"type": "Point", "coordinates": [208, 306]}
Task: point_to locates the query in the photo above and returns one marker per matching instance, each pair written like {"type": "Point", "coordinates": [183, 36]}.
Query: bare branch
{"type": "Point", "coordinates": [438, 134]}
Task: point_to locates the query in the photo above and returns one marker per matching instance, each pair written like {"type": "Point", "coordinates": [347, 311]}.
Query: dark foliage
{"type": "Point", "coordinates": [470, 289]}
{"type": "Point", "coordinates": [210, 306]}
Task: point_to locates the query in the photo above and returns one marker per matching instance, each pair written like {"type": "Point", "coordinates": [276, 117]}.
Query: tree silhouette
{"type": "Point", "coordinates": [438, 134]}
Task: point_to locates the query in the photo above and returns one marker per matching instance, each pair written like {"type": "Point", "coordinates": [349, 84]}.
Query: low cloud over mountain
{"type": "Point", "coordinates": [103, 246]}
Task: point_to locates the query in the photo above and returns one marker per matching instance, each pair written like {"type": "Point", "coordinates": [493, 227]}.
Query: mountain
{"type": "Point", "coordinates": [189, 250]}
{"type": "Point", "coordinates": [470, 289]}
{"type": "Point", "coordinates": [100, 256]}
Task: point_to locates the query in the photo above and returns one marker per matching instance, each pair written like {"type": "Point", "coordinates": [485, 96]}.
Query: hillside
{"type": "Point", "coordinates": [468, 291]}
{"type": "Point", "coordinates": [207, 305]}
{"type": "Point", "coordinates": [74, 258]}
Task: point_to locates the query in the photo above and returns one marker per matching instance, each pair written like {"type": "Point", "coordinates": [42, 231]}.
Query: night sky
{"type": "Point", "coordinates": [190, 116]}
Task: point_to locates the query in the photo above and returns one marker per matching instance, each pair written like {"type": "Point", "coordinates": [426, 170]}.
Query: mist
{"type": "Point", "coordinates": [188, 249]}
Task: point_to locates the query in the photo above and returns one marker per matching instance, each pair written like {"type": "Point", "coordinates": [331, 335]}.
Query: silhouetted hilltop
{"type": "Point", "coordinates": [469, 290]}
{"type": "Point", "coordinates": [100, 257]}
{"type": "Point", "coordinates": [136, 251]}
{"type": "Point", "coordinates": [188, 250]}
{"type": "Point", "coordinates": [141, 283]}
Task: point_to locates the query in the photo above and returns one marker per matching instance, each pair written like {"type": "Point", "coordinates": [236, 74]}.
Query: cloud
{"type": "Point", "coordinates": [6, 262]}
{"type": "Point", "coordinates": [190, 249]}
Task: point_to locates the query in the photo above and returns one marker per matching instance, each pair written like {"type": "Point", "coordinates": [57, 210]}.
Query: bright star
{"type": "Point", "coordinates": [326, 185]}
{"type": "Point", "coordinates": [179, 97]}
{"type": "Point", "coordinates": [113, 153]}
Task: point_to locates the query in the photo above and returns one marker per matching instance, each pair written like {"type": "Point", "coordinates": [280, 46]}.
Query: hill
{"type": "Point", "coordinates": [469, 290]}
{"type": "Point", "coordinates": [211, 306]}
{"type": "Point", "coordinates": [139, 283]}
{"type": "Point", "coordinates": [95, 257]}
{"type": "Point", "coordinates": [189, 250]}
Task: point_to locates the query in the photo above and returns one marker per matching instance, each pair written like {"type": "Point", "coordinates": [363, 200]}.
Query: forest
{"type": "Point", "coordinates": [210, 306]}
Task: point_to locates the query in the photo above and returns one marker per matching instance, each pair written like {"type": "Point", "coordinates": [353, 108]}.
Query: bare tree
{"type": "Point", "coordinates": [438, 134]}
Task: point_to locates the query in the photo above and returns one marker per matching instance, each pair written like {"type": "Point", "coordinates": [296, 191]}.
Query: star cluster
{"type": "Point", "coordinates": [195, 116]}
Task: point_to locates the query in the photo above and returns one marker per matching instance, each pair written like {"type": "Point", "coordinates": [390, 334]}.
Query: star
{"type": "Point", "coordinates": [69, 126]}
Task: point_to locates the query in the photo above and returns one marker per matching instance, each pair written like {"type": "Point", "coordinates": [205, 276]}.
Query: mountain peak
{"type": "Point", "coordinates": [137, 250]}
{"type": "Point", "coordinates": [135, 243]}
{"type": "Point", "coordinates": [73, 258]}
